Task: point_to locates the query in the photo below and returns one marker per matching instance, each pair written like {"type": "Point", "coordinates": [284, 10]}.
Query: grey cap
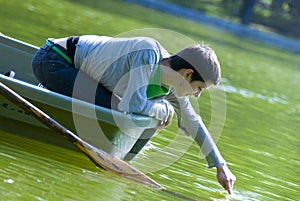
{"type": "Point", "coordinates": [204, 60]}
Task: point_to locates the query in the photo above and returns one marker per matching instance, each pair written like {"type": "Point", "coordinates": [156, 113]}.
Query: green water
{"type": "Point", "coordinates": [259, 139]}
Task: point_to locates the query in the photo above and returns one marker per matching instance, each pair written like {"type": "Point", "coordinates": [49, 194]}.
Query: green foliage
{"type": "Point", "coordinates": [281, 16]}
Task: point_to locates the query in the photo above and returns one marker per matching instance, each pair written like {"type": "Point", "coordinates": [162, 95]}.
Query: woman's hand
{"type": "Point", "coordinates": [225, 178]}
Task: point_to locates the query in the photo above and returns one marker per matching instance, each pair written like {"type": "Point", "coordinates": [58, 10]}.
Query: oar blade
{"type": "Point", "coordinates": [108, 162]}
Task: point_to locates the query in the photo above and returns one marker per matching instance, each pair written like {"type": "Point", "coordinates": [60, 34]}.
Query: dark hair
{"type": "Point", "coordinates": [178, 63]}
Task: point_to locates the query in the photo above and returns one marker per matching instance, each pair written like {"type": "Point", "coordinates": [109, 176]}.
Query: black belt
{"type": "Point", "coordinates": [71, 46]}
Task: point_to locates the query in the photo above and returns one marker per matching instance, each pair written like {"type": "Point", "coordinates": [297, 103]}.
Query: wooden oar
{"type": "Point", "coordinates": [98, 156]}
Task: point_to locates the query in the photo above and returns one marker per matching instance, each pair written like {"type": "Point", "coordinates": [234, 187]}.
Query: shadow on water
{"type": "Point", "coordinates": [22, 134]}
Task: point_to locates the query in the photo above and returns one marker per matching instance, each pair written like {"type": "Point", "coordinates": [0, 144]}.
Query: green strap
{"type": "Point", "coordinates": [154, 91]}
{"type": "Point", "coordinates": [61, 53]}
{"type": "Point", "coordinates": [154, 88]}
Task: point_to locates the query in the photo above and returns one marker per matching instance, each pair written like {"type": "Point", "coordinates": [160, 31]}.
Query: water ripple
{"type": "Point", "coordinates": [273, 98]}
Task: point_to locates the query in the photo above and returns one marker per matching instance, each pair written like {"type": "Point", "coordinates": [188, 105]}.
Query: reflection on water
{"type": "Point", "coordinates": [273, 98]}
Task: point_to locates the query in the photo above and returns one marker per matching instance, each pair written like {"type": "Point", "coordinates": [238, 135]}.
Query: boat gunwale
{"type": "Point", "coordinates": [41, 95]}
{"type": "Point", "coordinates": [22, 46]}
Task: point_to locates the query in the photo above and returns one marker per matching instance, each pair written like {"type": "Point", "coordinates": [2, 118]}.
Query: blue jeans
{"type": "Point", "coordinates": [58, 75]}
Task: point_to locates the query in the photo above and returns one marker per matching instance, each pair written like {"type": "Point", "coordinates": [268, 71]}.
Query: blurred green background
{"type": "Point", "coordinates": [280, 16]}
